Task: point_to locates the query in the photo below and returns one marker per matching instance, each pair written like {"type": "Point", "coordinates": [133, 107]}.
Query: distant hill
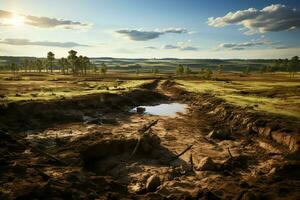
{"type": "Point", "coordinates": [164, 64]}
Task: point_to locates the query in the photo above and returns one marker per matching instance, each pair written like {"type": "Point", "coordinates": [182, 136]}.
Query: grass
{"type": "Point", "coordinates": [50, 88]}
{"type": "Point", "coordinates": [281, 98]}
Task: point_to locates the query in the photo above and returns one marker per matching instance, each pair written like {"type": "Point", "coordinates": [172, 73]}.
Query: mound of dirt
{"type": "Point", "coordinates": [24, 116]}
{"type": "Point", "coordinates": [243, 120]}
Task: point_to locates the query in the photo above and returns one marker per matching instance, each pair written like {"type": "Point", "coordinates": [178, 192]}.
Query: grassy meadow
{"type": "Point", "coordinates": [273, 93]}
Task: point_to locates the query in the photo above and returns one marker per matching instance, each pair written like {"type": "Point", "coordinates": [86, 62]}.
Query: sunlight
{"type": "Point", "coordinates": [16, 20]}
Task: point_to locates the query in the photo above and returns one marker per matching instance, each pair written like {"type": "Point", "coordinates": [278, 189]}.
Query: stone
{"type": "Point", "coordinates": [207, 164]}
{"type": "Point", "coordinates": [137, 188]}
{"type": "Point", "coordinates": [268, 147]}
{"type": "Point", "coordinates": [289, 140]}
{"type": "Point", "coordinates": [153, 182]}
{"type": "Point", "coordinates": [140, 110]}
{"type": "Point", "coordinates": [89, 120]}
{"type": "Point", "coordinates": [218, 134]}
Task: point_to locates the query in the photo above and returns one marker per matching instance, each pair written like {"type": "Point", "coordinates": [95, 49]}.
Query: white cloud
{"type": "Point", "coordinates": [24, 42]}
{"type": "Point", "coordinates": [260, 43]}
{"type": "Point", "coordinates": [180, 47]}
{"type": "Point", "coordinates": [272, 18]}
{"type": "Point", "coordinates": [140, 35]}
{"type": "Point", "coordinates": [41, 22]}
{"type": "Point", "coordinates": [240, 46]}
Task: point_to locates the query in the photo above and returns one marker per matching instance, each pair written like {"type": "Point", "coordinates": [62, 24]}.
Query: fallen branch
{"type": "Point", "coordinates": [141, 131]}
{"type": "Point", "coordinates": [191, 161]}
{"type": "Point", "coordinates": [136, 147]}
{"type": "Point", "coordinates": [147, 126]}
{"type": "Point", "coordinates": [42, 152]}
{"type": "Point", "coordinates": [229, 153]}
{"type": "Point", "coordinates": [183, 152]}
{"type": "Point", "coordinates": [49, 155]}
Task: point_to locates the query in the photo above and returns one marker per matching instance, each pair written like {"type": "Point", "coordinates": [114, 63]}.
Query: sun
{"type": "Point", "coordinates": [16, 20]}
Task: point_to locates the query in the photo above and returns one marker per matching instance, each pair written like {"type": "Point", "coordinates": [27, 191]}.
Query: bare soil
{"type": "Point", "coordinates": [94, 148]}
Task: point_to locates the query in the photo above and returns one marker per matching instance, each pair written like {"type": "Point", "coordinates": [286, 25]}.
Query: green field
{"type": "Point", "coordinates": [281, 98]}
{"type": "Point", "coordinates": [28, 87]}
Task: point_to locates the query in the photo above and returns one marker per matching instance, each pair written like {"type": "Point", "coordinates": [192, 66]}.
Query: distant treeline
{"type": "Point", "coordinates": [73, 64]}
{"type": "Point", "coordinates": [80, 65]}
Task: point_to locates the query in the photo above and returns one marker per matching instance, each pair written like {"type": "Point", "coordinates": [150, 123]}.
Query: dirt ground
{"type": "Point", "coordinates": [118, 154]}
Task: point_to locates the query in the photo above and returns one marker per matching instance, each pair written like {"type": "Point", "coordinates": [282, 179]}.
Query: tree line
{"type": "Point", "coordinates": [292, 66]}
{"type": "Point", "coordinates": [72, 64]}
{"type": "Point", "coordinates": [205, 73]}
{"type": "Point", "coordinates": [289, 65]}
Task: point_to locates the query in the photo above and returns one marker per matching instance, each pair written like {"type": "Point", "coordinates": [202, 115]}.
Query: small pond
{"type": "Point", "coordinates": [165, 109]}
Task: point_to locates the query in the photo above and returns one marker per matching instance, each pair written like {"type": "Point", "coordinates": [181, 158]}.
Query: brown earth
{"type": "Point", "coordinates": [102, 151]}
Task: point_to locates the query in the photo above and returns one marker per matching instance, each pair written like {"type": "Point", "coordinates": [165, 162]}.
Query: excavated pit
{"type": "Point", "coordinates": [102, 150]}
{"type": "Point", "coordinates": [106, 156]}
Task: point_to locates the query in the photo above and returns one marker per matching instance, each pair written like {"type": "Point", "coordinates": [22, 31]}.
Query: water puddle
{"type": "Point", "coordinates": [167, 109]}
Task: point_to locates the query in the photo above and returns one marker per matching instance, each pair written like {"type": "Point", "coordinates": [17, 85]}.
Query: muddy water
{"type": "Point", "coordinates": [166, 109]}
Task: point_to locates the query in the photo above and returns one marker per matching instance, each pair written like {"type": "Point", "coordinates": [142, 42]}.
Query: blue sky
{"type": "Point", "coordinates": [151, 28]}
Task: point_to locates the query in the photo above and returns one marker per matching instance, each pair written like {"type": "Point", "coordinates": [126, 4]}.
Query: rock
{"type": "Point", "coordinates": [89, 120]}
{"type": "Point", "coordinates": [152, 183]}
{"type": "Point", "coordinates": [268, 147]}
{"type": "Point", "coordinates": [266, 132]}
{"type": "Point", "coordinates": [292, 141]}
{"type": "Point", "coordinates": [218, 134]}
{"type": "Point", "coordinates": [207, 164]}
{"type": "Point", "coordinates": [140, 110]}
{"type": "Point", "coordinates": [137, 189]}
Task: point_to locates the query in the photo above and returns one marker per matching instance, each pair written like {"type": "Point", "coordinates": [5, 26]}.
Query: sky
{"type": "Point", "coordinates": [221, 29]}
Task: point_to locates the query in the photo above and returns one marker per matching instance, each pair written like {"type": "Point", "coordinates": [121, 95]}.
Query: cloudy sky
{"type": "Point", "coordinates": [151, 28]}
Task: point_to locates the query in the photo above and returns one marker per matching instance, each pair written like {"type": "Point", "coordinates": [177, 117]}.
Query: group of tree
{"type": "Point", "coordinates": [205, 73]}
{"type": "Point", "coordinates": [289, 65]}
{"type": "Point", "coordinates": [182, 70]}
{"type": "Point", "coordinates": [73, 64]}
{"type": "Point", "coordinates": [154, 71]}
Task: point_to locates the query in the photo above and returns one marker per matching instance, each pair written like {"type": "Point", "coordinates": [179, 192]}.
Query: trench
{"type": "Point", "coordinates": [98, 147]}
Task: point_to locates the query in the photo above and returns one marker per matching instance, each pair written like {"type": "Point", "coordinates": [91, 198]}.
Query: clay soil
{"type": "Point", "coordinates": [94, 148]}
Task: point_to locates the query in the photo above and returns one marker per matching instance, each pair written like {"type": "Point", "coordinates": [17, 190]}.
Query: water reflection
{"type": "Point", "coordinates": [163, 109]}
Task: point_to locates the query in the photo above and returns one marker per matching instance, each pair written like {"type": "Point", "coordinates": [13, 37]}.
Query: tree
{"type": "Point", "coordinates": [80, 64]}
{"type": "Point", "coordinates": [220, 69]}
{"type": "Point", "coordinates": [179, 69]}
{"type": "Point", "coordinates": [263, 69]}
{"type": "Point", "coordinates": [63, 62]}
{"type": "Point", "coordinates": [45, 64]}
{"type": "Point", "coordinates": [187, 71]}
{"type": "Point", "coordinates": [207, 73]}
{"type": "Point", "coordinates": [14, 68]}
{"type": "Point", "coordinates": [137, 72]}
{"type": "Point", "coordinates": [50, 59]}
{"type": "Point", "coordinates": [25, 65]}
{"type": "Point", "coordinates": [72, 58]}
{"type": "Point", "coordinates": [293, 65]}
{"type": "Point", "coordinates": [154, 70]}
{"type": "Point", "coordinates": [86, 64]}
{"type": "Point", "coordinates": [103, 68]}
{"type": "Point", "coordinates": [94, 67]}
{"type": "Point", "coordinates": [247, 70]}
{"type": "Point", "coordinates": [39, 65]}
